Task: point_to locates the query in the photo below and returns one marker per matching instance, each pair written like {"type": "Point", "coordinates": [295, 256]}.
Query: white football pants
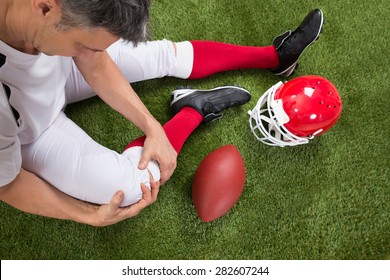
{"type": "Point", "coordinates": [66, 157]}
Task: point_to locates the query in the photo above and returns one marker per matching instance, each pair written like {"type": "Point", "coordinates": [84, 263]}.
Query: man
{"type": "Point", "coordinates": [55, 52]}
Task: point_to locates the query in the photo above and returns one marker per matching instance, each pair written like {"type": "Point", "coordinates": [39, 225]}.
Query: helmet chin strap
{"type": "Point", "coordinates": [317, 132]}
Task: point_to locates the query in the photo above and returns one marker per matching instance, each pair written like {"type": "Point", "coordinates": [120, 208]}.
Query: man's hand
{"type": "Point", "coordinates": [157, 147]}
{"type": "Point", "coordinates": [112, 213]}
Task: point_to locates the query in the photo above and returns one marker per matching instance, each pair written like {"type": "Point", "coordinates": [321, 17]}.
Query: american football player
{"type": "Point", "coordinates": [55, 52]}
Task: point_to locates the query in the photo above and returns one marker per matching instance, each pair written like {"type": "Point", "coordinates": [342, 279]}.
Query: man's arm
{"type": "Point", "coordinates": [106, 79]}
{"type": "Point", "coordinates": [31, 194]}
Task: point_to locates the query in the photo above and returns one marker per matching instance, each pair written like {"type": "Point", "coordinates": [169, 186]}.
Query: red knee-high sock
{"type": "Point", "coordinates": [178, 129]}
{"type": "Point", "coordinates": [213, 57]}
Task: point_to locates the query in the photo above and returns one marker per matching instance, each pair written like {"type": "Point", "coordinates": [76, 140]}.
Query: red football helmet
{"type": "Point", "coordinates": [292, 113]}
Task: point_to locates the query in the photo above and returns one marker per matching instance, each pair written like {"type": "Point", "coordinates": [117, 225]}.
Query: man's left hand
{"type": "Point", "coordinates": [157, 147]}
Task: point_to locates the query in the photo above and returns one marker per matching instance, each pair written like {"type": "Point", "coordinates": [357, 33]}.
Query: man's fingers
{"type": "Point", "coordinates": [148, 197]}
{"type": "Point", "coordinates": [146, 193]}
{"type": "Point", "coordinates": [166, 173]}
{"type": "Point", "coordinates": [136, 208]}
{"type": "Point", "coordinates": [155, 186]}
{"type": "Point", "coordinates": [163, 176]}
{"type": "Point", "coordinates": [167, 168]}
{"type": "Point", "coordinates": [145, 158]}
{"type": "Point", "coordinates": [116, 201]}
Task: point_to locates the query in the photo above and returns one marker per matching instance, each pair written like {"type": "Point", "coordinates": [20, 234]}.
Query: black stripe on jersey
{"type": "Point", "coordinates": [8, 91]}
{"type": "Point", "coordinates": [16, 113]}
{"type": "Point", "coordinates": [2, 59]}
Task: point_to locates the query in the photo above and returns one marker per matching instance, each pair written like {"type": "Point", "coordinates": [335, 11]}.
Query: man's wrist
{"type": "Point", "coordinates": [154, 128]}
{"type": "Point", "coordinates": [88, 214]}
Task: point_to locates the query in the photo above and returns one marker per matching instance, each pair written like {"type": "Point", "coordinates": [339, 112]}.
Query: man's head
{"type": "Point", "coordinates": [127, 19]}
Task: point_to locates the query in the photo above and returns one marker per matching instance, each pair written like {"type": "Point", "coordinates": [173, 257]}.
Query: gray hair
{"type": "Point", "coordinates": [127, 19]}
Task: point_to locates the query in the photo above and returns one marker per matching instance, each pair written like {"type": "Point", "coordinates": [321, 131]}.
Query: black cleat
{"type": "Point", "coordinates": [290, 45]}
{"type": "Point", "coordinates": [209, 103]}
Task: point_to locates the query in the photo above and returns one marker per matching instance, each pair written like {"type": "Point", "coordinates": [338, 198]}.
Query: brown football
{"type": "Point", "coordinates": [218, 182]}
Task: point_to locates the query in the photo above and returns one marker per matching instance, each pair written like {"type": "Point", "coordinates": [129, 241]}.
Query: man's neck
{"type": "Point", "coordinates": [13, 30]}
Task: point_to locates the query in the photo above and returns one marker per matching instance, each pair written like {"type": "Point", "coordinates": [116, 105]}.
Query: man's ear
{"type": "Point", "coordinates": [43, 7]}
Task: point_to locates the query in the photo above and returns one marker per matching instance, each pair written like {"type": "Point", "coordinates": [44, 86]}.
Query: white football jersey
{"type": "Point", "coordinates": [33, 91]}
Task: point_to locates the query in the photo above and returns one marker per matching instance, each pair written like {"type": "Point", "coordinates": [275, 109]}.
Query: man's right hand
{"type": "Point", "coordinates": [112, 213]}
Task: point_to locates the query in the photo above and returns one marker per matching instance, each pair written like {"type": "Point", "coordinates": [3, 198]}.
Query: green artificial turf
{"type": "Point", "coordinates": [325, 200]}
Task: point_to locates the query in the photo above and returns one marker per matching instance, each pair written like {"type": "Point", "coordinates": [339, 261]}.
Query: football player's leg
{"type": "Point", "coordinates": [76, 87]}
{"type": "Point", "coordinates": [212, 57]}
{"type": "Point", "coordinates": [199, 59]}
{"type": "Point", "coordinates": [187, 60]}
{"type": "Point", "coordinates": [178, 129]}
{"type": "Point", "coordinates": [66, 157]}
{"type": "Point", "coordinates": [148, 60]}
{"type": "Point", "coordinates": [281, 58]}
{"type": "Point", "coordinates": [191, 107]}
